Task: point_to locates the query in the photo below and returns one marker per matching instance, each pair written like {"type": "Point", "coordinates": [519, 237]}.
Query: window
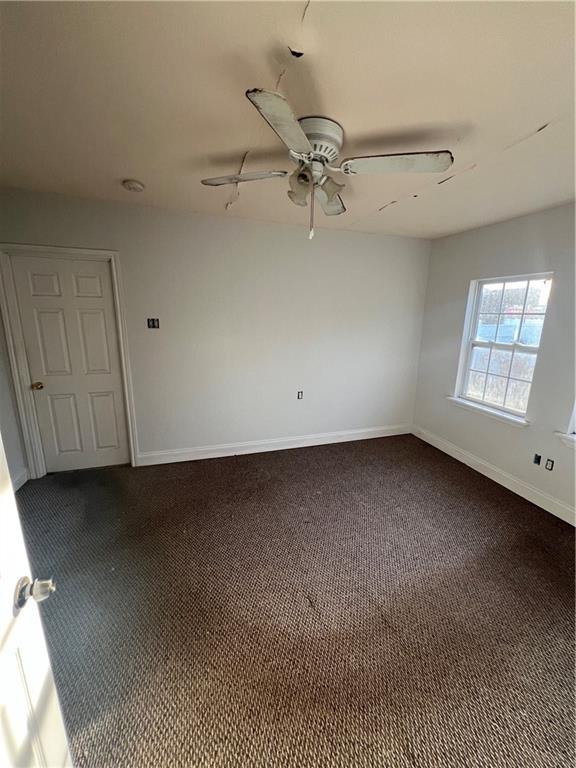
{"type": "Point", "coordinates": [505, 326]}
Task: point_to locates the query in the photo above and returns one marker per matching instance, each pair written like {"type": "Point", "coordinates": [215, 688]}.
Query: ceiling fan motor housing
{"type": "Point", "coordinates": [326, 137]}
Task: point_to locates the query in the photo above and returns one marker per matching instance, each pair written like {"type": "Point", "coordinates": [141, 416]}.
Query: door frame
{"type": "Point", "coordinates": [17, 351]}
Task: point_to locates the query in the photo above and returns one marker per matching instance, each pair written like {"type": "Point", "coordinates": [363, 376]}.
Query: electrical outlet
{"type": "Point", "coordinates": [549, 464]}
{"type": "Point", "coordinates": [300, 394]}
{"type": "Point", "coordinates": [537, 459]}
{"type": "Point", "coordinates": [153, 322]}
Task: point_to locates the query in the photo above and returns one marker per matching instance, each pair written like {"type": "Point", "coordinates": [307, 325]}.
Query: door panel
{"type": "Point", "coordinates": [103, 410]}
{"type": "Point", "coordinates": [52, 342]}
{"type": "Point", "coordinates": [65, 423]}
{"type": "Point", "coordinates": [32, 733]}
{"type": "Point", "coordinates": [87, 286]}
{"type": "Point", "coordinates": [94, 341]}
{"type": "Point", "coordinates": [70, 333]}
{"type": "Point", "coordinates": [44, 284]}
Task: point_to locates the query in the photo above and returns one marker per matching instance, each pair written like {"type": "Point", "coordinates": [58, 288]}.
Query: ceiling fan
{"type": "Point", "coordinates": [314, 144]}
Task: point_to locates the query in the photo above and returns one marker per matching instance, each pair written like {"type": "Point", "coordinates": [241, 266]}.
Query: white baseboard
{"type": "Point", "coordinates": [521, 487]}
{"type": "Point", "coordinates": [20, 479]}
{"type": "Point", "coordinates": [260, 446]}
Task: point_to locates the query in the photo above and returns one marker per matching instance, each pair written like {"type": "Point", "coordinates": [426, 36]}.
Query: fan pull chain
{"type": "Point", "coordinates": [311, 232]}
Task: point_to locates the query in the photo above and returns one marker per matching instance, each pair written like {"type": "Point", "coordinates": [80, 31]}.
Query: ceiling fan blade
{"type": "Point", "coordinates": [240, 177]}
{"type": "Point", "coordinates": [278, 114]}
{"type": "Point", "coordinates": [333, 207]}
{"type": "Point", "coordinates": [410, 162]}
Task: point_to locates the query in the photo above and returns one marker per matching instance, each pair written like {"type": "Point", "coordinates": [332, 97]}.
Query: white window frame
{"type": "Point", "coordinates": [468, 342]}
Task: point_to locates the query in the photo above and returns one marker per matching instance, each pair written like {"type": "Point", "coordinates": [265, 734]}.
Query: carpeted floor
{"type": "Point", "coordinates": [363, 604]}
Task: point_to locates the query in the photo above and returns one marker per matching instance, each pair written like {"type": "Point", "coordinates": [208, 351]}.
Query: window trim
{"type": "Point", "coordinates": [472, 302]}
{"type": "Point", "coordinates": [506, 416]}
{"type": "Point", "coordinates": [569, 437]}
{"type": "Point", "coordinates": [572, 425]}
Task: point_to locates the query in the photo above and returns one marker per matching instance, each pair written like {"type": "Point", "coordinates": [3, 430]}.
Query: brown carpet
{"type": "Point", "coordinates": [364, 604]}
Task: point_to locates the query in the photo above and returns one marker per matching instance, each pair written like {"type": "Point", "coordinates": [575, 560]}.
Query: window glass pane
{"type": "Point", "coordinates": [523, 366]}
{"type": "Point", "coordinates": [475, 386]}
{"type": "Point", "coordinates": [500, 361]}
{"type": "Point", "coordinates": [517, 395]}
{"type": "Point", "coordinates": [538, 292]}
{"type": "Point", "coordinates": [508, 328]}
{"type": "Point", "coordinates": [531, 330]}
{"type": "Point", "coordinates": [514, 295]}
{"type": "Point", "coordinates": [495, 390]}
{"type": "Point", "coordinates": [479, 358]}
{"type": "Point", "coordinates": [491, 297]}
{"type": "Point", "coordinates": [486, 329]}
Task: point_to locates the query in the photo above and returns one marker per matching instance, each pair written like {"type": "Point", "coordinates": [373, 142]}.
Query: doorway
{"type": "Point", "coordinates": [65, 334]}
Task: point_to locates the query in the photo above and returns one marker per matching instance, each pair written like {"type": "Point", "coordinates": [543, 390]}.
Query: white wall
{"type": "Point", "coordinates": [249, 314]}
{"type": "Point", "coordinates": [537, 243]}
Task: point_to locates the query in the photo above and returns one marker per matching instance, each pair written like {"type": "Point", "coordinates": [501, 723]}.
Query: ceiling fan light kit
{"type": "Point", "coordinates": [314, 144]}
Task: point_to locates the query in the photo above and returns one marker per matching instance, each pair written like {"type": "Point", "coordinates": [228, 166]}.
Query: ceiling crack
{"type": "Point", "coordinates": [393, 202]}
{"type": "Point", "coordinates": [279, 79]}
{"type": "Point", "coordinates": [528, 136]}
{"type": "Point", "coordinates": [442, 181]}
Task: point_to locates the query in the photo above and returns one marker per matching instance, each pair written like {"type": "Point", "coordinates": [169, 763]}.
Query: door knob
{"type": "Point", "coordinates": [37, 385]}
{"type": "Point", "coordinates": [39, 590]}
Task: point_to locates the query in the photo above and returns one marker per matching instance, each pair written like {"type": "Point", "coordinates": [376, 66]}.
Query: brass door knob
{"type": "Point", "coordinates": [37, 385]}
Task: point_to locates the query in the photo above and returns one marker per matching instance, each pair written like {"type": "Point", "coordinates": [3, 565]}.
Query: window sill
{"type": "Point", "coordinates": [507, 418]}
{"type": "Point", "coordinates": [567, 439]}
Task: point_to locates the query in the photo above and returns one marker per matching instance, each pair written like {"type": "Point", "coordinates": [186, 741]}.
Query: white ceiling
{"type": "Point", "coordinates": [96, 92]}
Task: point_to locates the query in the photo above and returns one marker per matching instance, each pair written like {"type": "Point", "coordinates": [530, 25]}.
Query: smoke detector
{"type": "Point", "coordinates": [133, 185]}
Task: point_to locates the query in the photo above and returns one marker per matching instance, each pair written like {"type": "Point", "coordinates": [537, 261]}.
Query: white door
{"type": "Point", "coordinates": [31, 729]}
{"type": "Point", "coordinates": [70, 333]}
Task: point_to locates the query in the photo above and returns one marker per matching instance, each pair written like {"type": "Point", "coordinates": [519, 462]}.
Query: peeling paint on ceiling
{"type": "Point", "coordinates": [96, 92]}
